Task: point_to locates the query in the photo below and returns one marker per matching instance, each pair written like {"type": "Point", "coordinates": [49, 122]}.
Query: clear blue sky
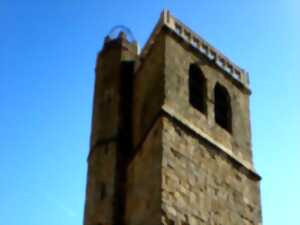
{"type": "Point", "coordinates": [47, 59]}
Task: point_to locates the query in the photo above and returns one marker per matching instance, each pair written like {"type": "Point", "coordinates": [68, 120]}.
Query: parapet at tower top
{"type": "Point", "coordinates": [189, 37]}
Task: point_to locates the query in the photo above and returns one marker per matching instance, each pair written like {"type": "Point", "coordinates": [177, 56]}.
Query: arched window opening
{"type": "Point", "coordinates": [197, 88]}
{"type": "Point", "coordinates": [223, 114]}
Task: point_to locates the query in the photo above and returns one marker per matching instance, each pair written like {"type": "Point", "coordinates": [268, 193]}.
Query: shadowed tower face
{"type": "Point", "coordinates": [171, 140]}
{"type": "Point", "coordinates": [110, 141]}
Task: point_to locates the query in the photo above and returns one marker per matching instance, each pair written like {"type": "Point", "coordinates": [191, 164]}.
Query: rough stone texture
{"type": "Point", "coordinates": [148, 93]}
{"type": "Point", "coordinates": [199, 186]}
{"type": "Point", "coordinates": [100, 185]}
{"type": "Point", "coordinates": [158, 160]}
{"type": "Point", "coordinates": [106, 150]}
{"type": "Point", "coordinates": [179, 57]}
{"type": "Point", "coordinates": [144, 181]}
{"type": "Point", "coordinates": [106, 105]}
{"type": "Point", "coordinates": [144, 171]}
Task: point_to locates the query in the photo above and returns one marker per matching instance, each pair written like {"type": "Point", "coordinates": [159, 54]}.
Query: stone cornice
{"type": "Point", "coordinates": [241, 163]}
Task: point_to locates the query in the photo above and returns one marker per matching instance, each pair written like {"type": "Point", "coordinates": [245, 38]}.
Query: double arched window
{"type": "Point", "coordinates": [198, 98]}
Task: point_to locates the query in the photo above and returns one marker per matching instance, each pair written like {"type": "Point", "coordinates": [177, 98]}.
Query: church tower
{"type": "Point", "coordinates": [171, 137]}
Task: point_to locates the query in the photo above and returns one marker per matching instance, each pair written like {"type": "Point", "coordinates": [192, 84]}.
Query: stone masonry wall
{"type": "Point", "coordinates": [200, 186]}
{"type": "Point", "coordinates": [100, 195]}
{"type": "Point", "coordinates": [107, 148]}
{"type": "Point", "coordinates": [175, 174]}
{"type": "Point", "coordinates": [143, 197]}
{"type": "Point", "coordinates": [148, 90]}
{"type": "Point", "coordinates": [179, 57]}
{"type": "Point", "coordinates": [143, 201]}
{"type": "Point", "coordinates": [106, 105]}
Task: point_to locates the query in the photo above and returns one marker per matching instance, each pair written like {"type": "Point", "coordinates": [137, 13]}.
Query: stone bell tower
{"type": "Point", "coordinates": [171, 138]}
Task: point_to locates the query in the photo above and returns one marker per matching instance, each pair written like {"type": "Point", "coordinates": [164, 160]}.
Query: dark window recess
{"type": "Point", "coordinates": [102, 191]}
{"type": "Point", "coordinates": [197, 88]}
{"type": "Point", "coordinates": [126, 90]}
{"type": "Point", "coordinates": [223, 114]}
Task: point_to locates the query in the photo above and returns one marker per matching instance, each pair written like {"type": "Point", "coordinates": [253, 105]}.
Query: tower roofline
{"type": "Point", "coordinates": [200, 44]}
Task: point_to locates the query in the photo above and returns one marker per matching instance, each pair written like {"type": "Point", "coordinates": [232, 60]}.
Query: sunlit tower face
{"type": "Point", "coordinates": [171, 139]}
